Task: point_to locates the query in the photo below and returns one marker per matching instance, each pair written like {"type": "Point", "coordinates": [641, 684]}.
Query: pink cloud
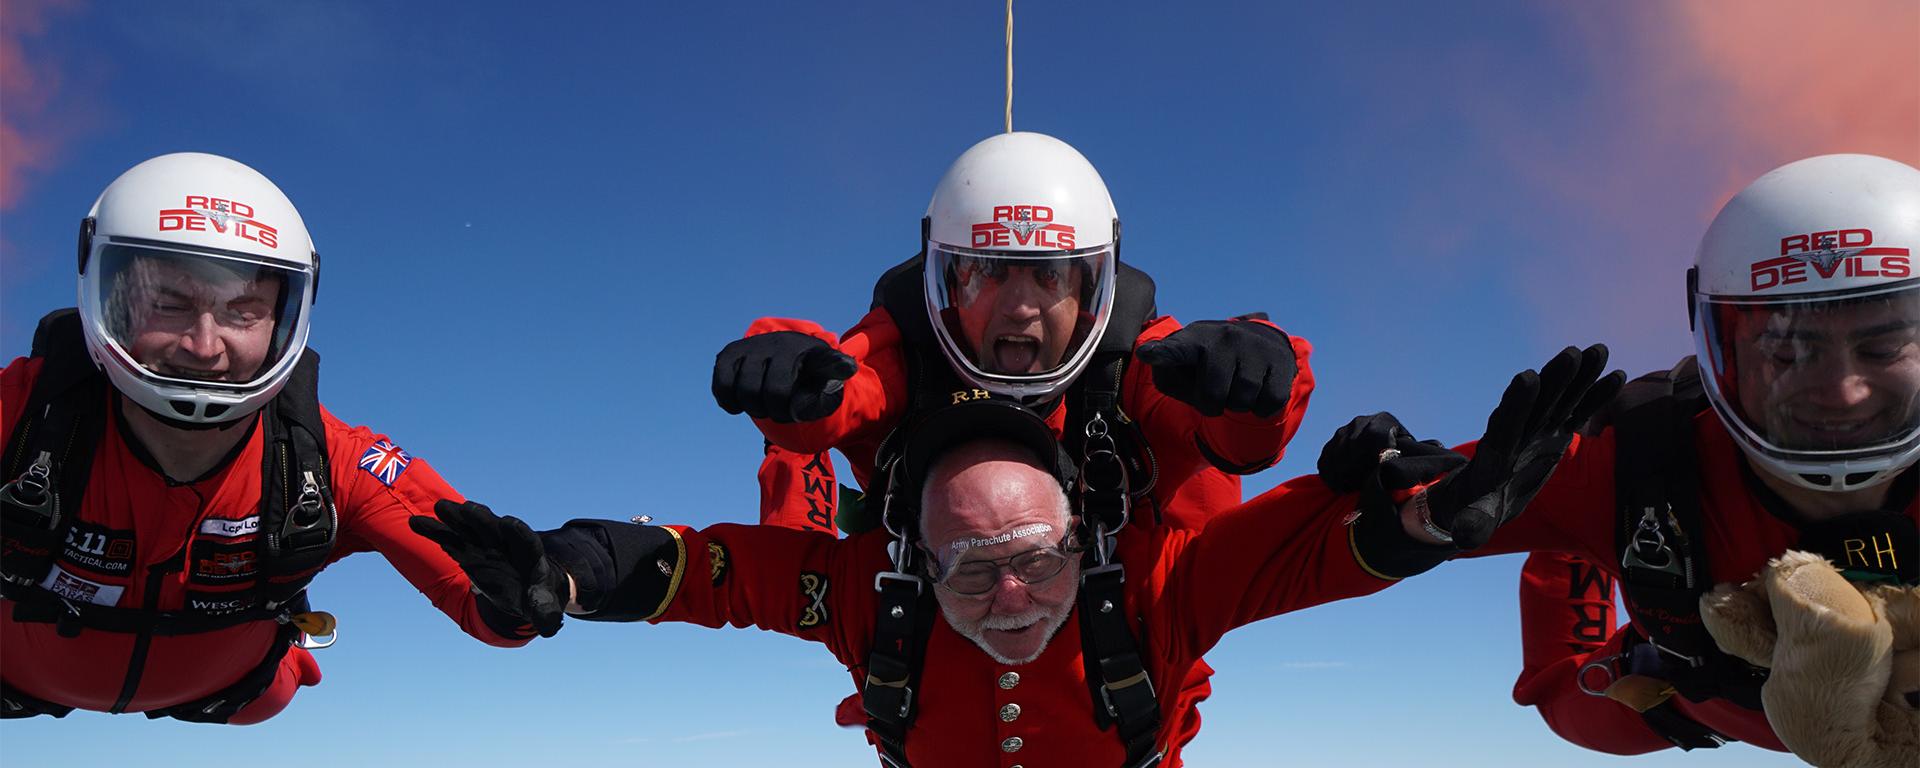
{"type": "Point", "coordinates": [30, 128]}
{"type": "Point", "coordinates": [1803, 79]}
{"type": "Point", "coordinates": [1684, 103]}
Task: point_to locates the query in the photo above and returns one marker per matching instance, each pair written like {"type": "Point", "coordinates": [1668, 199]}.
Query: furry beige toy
{"type": "Point", "coordinates": [1844, 690]}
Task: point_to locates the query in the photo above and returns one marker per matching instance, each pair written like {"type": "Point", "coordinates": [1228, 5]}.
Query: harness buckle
{"type": "Point", "coordinates": [879, 579]}
{"type": "Point", "coordinates": [1107, 689]}
{"type": "Point", "coordinates": [32, 491]}
{"type": "Point", "coordinates": [69, 624]}
{"type": "Point", "coordinates": [1692, 662]}
{"type": "Point", "coordinates": [1649, 550]}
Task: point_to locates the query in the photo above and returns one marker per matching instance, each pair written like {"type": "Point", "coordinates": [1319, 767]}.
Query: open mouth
{"type": "Point", "coordinates": [1015, 353]}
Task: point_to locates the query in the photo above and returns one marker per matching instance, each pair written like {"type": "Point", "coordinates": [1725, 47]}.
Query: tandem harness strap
{"type": "Point", "coordinates": [1663, 560]}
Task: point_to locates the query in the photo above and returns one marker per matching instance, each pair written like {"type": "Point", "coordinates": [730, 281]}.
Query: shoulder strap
{"type": "Point", "coordinates": [1123, 693]}
{"type": "Point", "coordinates": [297, 514]}
{"type": "Point", "coordinates": [1662, 567]}
{"type": "Point", "coordinates": [931, 382]}
{"type": "Point", "coordinates": [903, 621]}
{"type": "Point", "coordinates": [49, 455]}
{"type": "Point", "coordinates": [1097, 392]}
{"type": "Point", "coordinates": [1659, 535]}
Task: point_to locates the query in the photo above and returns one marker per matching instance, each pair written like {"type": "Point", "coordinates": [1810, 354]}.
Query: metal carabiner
{"type": "Point", "coordinates": [1650, 542]}
{"type": "Point", "coordinates": [1605, 664]}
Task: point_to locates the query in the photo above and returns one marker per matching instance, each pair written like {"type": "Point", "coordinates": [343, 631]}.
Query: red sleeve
{"type": "Point", "coordinates": [798, 490]}
{"type": "Point", "coordinates": [1574, 513]}
{"type": "Point", "coordinates": [1595, 722]}
{"type": "Point", "coordinates": [801, 583]}
{"type": "Point", "coordinates": [874, 398]}
{"type": "Point", "coordinates": [1187, 442]}
{"type": "Point", "coordinates": [1567, 620]}
{"type": "Point", "coordinates": [1284, 550]}
{"type": "Point", "coordinates": [373, 517]}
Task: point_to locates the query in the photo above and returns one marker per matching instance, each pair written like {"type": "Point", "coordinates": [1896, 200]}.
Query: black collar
{"type": "Point", "coordinates": [1899, 497]}
{"type": "Point", "coordinates": [140, 452]}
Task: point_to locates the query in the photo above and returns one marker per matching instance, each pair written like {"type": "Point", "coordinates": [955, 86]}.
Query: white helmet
{"type": "Point", "coordinates": [1806, 311]}
{"type": "Point", "coordinates": [1021, 244]}
{"type": "Point", "coordinates": [196, 281]}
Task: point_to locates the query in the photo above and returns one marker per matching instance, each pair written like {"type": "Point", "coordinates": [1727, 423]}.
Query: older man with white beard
{"type": "Point", "coordinates": [1004, 676]}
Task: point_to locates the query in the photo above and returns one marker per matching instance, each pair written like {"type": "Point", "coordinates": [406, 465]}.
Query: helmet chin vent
{"type": "Point", "coordinates": [181, 408]}
{"type": "Point", "coordinates": [215, 410]}
{"type": "Point", "coordinates": [1858, 478]}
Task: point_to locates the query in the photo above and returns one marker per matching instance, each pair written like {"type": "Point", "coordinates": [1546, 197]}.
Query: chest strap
{"type": "Point", "coordinates": [1663, 558]}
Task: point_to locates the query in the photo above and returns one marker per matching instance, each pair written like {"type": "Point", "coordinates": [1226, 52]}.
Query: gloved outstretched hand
{"type": "Point", "coordinates": [1224, 365]}
{"type": "Point", "coordinates": [504, 559]}
{"type": "Point", "coordinates": [786, 376]}
{"type": "Point", "coordinates": [1526, 435]}
{"type": "Point", "coordinates": [1378, 443]}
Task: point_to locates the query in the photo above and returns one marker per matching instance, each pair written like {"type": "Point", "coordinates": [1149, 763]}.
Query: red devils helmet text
{"type": "Point", "coordinates": [200, 214]}
{"type": "Point", "coordinates": [1023, 225]}
{"type": "Point", "coordinates": [1829, 254]}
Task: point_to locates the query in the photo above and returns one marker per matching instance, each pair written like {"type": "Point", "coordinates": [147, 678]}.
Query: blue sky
{"type": "Point", "coordinates": [540, 222]}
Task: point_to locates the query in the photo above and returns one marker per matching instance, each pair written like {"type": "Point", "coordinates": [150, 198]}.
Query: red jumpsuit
{"type": "Point", "coordinates": [1575, 514]}
{"type": "Point", "coordinates": [142, 519]}
{"type": "Point", "coordinates": [1189, 488]}
{"type": "Point", "coordinates": [1284, 550]}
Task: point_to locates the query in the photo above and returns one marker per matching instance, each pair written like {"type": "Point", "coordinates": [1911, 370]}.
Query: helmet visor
{"type": "Point", "coordinates": [196, 319]}
{"type": "Point", "coordinates": [1820, 377]}
{"type": "Point", "coordinates": [1020, 316]}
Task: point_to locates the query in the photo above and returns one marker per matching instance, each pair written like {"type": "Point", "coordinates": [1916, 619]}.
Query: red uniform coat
{"type": "Point", "coordinates": [1575, 514]}
{"type": "Point", "coordinates": [144, 519]}
{"type": "Point", "coordinates": [875, 399]}
{"type": "Point", "coordinates": [1282, 551]}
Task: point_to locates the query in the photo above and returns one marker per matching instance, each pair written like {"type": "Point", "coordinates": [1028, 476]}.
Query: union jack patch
{"type": "Point", "coordinates": [385, 461]}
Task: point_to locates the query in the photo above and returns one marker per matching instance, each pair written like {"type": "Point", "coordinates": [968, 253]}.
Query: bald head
{"type": "Point", "coordinates": [985, 485]}
{"type": "Point", "coordinates": [990, 501]}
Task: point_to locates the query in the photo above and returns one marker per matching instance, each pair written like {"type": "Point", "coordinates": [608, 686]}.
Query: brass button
{"type": "Point", "coordinates": [1009, 680]}
{"type": "Point", "coordinates": [1012, 744]}
{"type": "Point", "coordinates": [1009, 713]}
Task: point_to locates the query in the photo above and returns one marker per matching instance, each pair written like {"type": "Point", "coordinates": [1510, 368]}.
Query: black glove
{"type": "Point", "coordinates": [1526, 435]}
{"type": "Point", "coordinates": [503, 558]}
{"type": "Point", "coordinates": [1224, 365]}
{"type": "Point", "coordinates": [1360, 448]}
{"type": "Point", "coordinates": [786, 376]}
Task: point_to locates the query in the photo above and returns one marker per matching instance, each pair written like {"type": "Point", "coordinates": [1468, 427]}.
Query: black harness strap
{"type": "Point", "coordinates": [39, 605]}
{"type": "Point", "coordinates": [1117, 679]}
{"type": "Point", "coordinates": [1123, 693]}
{"type": "Point", "coordinates": [902, 624]}
{"type": "Point", "coordinates": [298, 521]}
{"type": "Point", "coordinates": [1663, 557]}
{"type": "Point", "coordinates": [220, 706]}
{"type": "Point", "coordinates": [50, 453]}
{"type": "Point", "coordinates": [15, 704]}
